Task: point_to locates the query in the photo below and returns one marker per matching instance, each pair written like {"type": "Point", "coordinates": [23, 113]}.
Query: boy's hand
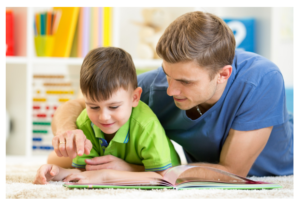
{"type": "Point", "coordinates": [97, 176]}
{"type": "Point", "coordinates": [71, 143]}
{"type": "Point", "coordinates": [111, 162]}
{"type": "Point", "coordinates": [46, 173]}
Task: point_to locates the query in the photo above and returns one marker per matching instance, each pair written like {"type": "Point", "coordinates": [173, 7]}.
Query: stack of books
{"type": "Point", "coordinates": [72, 31]}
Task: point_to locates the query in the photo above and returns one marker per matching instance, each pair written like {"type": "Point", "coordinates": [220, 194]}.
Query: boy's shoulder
{"type": "Point", "coordinates": [143, 115]}
{"type": "Point", "coordinates": [83, 119]}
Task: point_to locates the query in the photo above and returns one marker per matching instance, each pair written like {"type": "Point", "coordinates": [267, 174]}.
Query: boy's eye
{"type": "Point", "coordinates": [114, 107]}
{"type": "Point", "coordinates": [94, 107]}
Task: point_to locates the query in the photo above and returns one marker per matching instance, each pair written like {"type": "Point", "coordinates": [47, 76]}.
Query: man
{"type": "Point", "coordinates": [225, 107]}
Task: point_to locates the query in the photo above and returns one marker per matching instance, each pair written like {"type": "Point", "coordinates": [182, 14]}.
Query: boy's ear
{"type": "Point", "coordinates": [136, 96]}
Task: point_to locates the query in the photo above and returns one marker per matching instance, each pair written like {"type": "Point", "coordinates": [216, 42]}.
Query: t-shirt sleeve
{"type": "Point", "coordinates": [84, 124]}
{"type": "Point", "coordinates": [262, 105]}
{"type": "Point", "coordinates": [153, 148]}
{"type": "Point", "coordinates": [145, 80]}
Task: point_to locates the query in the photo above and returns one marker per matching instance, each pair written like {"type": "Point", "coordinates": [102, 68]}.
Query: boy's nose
{"type": "Point", "coordinates": [104, 116]}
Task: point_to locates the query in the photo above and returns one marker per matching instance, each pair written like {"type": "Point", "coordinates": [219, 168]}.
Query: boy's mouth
{"type": "Point", "coordinates": [106, 125]}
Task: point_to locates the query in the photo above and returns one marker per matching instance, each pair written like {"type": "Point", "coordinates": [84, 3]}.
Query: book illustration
{"type": "Point", "coordinates": [183, 177]}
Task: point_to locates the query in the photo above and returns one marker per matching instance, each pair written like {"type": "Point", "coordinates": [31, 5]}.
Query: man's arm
{"type": "Point", "coordinates": [65, 116]}
{"type": "Point", "coordinates": [239, 152]}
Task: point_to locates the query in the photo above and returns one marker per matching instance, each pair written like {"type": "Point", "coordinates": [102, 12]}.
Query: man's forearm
{"type": "Point", "coordinates": [66, 114]}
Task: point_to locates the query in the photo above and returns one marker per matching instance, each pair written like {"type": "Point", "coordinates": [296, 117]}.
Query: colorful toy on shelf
{"type": "Point", "coordinates": [9, 33]}
{"type": "Point", "coordinates": [54, 89]}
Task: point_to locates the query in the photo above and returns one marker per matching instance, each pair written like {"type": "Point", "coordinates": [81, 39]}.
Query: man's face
{"type": "Point", "coordinates": [111, 114]}
{"type": "Point", "coordinates": [189, 84]}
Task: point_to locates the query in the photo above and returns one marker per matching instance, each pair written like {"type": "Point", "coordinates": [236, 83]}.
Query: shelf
{"type": "Point", "coordinates": [16, 60]}
{"type": "Point", "coordinates": [58, 60]}
{"type": "Point", "coordinates": [145, 64]}
{"type": "Point", "coordinates": [139, 63]}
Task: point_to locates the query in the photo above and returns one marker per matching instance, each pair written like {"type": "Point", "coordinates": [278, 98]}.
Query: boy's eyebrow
{"type": "Point", "coordinates": [180, 80]}
{"type": "Point", "coordinates": [92, 103]}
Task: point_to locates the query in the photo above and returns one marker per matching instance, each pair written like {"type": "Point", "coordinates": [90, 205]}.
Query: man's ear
{"type": "Point", "coordinates": [224, 74]}
{"type": "Point", "coordinates": [136, 96]}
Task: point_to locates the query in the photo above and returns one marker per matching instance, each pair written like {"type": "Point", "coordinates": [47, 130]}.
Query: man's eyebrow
{"type": "Point", "coordinates": [180, 80]}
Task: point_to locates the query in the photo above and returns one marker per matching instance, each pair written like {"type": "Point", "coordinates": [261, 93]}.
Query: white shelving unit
{"type": "Point", "coordinates": [20, 68]}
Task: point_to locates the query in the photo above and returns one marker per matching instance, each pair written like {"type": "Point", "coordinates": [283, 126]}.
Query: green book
{"type": "Point", "coordinates": [184, 177]}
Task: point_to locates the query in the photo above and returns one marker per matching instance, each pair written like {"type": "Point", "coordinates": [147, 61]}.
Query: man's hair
{"type": "Point", "coordinates": [104, 70]}
{"type": "Point", "coordinates": [198, 36]}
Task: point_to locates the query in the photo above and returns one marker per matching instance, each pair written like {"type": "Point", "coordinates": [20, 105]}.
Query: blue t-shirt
{"type": "Point", "coordinates": [254, 98]}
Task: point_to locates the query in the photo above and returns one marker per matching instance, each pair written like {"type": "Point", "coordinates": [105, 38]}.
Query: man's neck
{"type": "Point", "coordinates": [193, 113]}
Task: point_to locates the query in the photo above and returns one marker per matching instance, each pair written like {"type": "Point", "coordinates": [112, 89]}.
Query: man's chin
{"type": "Point", "coordinates": [181, 106]}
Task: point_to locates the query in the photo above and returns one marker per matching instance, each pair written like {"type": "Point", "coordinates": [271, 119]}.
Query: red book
{"type": "Point", "coordinates": [9, 33]}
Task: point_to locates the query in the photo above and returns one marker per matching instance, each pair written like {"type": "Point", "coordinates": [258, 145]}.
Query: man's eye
{"type": "Point", "coordinates": [183, 82]}
{"type": "Point", "coordinates": [114, 107]}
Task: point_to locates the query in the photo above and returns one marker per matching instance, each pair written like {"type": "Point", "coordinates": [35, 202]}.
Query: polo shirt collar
{"type": "Point", "coordinates": [122, 135]}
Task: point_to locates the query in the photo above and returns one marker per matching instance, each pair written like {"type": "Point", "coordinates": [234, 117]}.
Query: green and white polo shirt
{"type": "Point", "coordinates": [141, 140]}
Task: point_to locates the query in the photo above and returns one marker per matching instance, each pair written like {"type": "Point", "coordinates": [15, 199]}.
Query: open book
{"type": "Point", "coordinates": [184, 177]}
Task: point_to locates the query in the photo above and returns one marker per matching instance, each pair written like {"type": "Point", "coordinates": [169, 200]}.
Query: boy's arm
{"type": "Point", "coordinates": [49, 172]}
{"type": "Point", "coordinates": [108, 175]}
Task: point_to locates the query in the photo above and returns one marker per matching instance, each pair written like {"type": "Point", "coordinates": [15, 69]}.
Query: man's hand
{"type": "Point", "coordinates": [111, 162]}
{"type": "Point", "coordinates": [71, 143]}
{"type": "Point", "coordinates": [46, 173]}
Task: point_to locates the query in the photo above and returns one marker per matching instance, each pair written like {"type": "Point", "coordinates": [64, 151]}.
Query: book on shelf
{"type": "Point", "coordinates": [63, 37]}
{"type": "Point", "coordinates": [183, 177]}
{"type": "Point", "coordinates": [72, 31]}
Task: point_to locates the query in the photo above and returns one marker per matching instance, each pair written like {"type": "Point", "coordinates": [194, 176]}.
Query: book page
{"type": "Point", "coordinates": [189, 173]}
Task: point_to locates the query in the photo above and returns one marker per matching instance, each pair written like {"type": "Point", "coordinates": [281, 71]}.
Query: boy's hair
{"type": "Point", "coordinates": [104, 70]}
{"type": "Point", "coordinates": [198, 36]}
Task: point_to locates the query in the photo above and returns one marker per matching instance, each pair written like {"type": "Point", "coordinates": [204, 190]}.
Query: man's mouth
{"type": "Point", "coordinates": [179, 99]}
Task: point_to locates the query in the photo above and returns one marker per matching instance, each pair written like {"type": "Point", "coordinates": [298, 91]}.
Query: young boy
{"type": "Point", "coordinates": [116, 122]}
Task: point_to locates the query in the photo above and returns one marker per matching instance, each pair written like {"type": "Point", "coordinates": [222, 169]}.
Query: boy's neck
{"type": "Point", "coordinates": [109, 137]}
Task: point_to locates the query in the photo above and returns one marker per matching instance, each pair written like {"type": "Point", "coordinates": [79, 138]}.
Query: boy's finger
{"type": "Point", "coordinates": [96, 167]}
{"type": "Point", "coordinates": [54, 171]}
{"type": "Point", "coordinates": [98, 160]}
{"type": "Point", "coordinates": [72, 177]}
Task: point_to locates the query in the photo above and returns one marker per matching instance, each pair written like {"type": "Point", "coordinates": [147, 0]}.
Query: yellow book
{"type": "Point", "coordinates": [107, 26]}
{"type": "Point", "coordinates": [64, 34]}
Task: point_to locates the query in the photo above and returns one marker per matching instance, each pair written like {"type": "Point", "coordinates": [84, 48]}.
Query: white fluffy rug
{"type": "Point", "coordinates": [19, 186]}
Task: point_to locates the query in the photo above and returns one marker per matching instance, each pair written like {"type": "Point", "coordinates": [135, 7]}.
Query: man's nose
{"type": "Point", "coordinates": [173, 90]}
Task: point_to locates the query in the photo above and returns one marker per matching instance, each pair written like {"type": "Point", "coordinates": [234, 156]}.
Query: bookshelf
{"type": "Point", "coordinates": [20, 68]}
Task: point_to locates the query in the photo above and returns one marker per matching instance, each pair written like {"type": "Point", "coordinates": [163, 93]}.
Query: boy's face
{"type": "Point", "coordinates": [109, 115]}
